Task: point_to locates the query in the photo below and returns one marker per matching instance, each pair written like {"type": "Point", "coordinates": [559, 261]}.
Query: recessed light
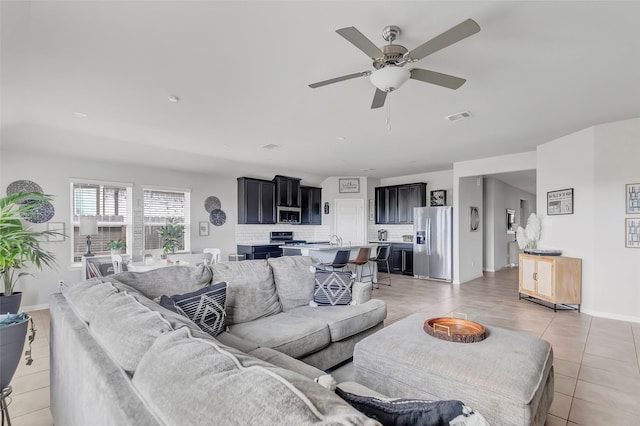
{"type": "Point", "coordinates": [174, 99]}
{"type": "Point", "coordinates": [270, 146]}
{"type": "Point", "coordinates": [80, 114]}
{"type": "Point", "coordinates": [341, 138]}
{"type": "Point", "coordinates": [368, 170]}
{"type": "Point", "coordinates": [459, 116]}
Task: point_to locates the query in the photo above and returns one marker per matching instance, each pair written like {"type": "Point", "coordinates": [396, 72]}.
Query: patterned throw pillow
{"type": "Point", "coordinates": [332, 288]}
{"type": "Point", "coordinates": [205, 307]}
{"type": "Point", "coordinates": [413, 411]}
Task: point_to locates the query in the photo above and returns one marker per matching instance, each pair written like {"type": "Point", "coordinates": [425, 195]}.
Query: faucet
{"type": "Point", "coordinates": [338, 240]}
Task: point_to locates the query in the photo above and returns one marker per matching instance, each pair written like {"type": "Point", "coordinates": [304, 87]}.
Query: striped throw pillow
{"type": "Point", "coordinates": [332, 288]}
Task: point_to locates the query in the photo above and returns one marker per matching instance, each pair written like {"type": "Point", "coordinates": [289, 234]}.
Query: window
{"type": "Point", "coordinates": [110, 203]}
{"type": "Point", "coordinates": [160, 205]}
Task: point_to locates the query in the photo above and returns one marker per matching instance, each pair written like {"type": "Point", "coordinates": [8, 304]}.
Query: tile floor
{"type": "Point", "coordinates": [597, 375]}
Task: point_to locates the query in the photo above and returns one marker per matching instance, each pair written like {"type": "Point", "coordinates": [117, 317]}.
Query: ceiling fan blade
{"type": "Point", "coordinates": [378, 99]}
{"type": "Point", "coordinates": [447, 38]}
{"type": "Point", "coordinates": [359, 40]}
{"type": "Point", "coordinates": [440, 79]}
{"type": "Point", "coordinates": [341, 78]}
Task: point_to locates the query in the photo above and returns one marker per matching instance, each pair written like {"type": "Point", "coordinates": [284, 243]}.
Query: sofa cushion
{"type": "Point", "coordinates": [332, 288]}
{"type": "Point", "coordinates": [87, 295]}
{"type": "Point", "coordinates": [205, 307]}
{"type": "Point", "coordinates": [170, 280]}
{"type": "Point", "coordinates": [285, 333]}
{"type": "Point", "coordinates": [251, 293]}
{"type": "Point", "coordinates": [228, 387]}
{"type": "Point", "coordinates": [345, 321]}
{"type": "Point", "coordinates": [294, 279]}
{"type": "Point", "coordinates": [126, 329]}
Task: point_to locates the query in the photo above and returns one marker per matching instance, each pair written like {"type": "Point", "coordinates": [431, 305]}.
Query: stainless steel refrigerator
{"type": "Point", "coordinates": [433, 243]}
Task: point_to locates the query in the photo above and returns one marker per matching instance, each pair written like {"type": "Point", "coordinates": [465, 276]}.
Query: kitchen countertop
{"type": "Point", "coordinates": [327, 247]}
{"type": "Point", "coordinates": [391, 242]}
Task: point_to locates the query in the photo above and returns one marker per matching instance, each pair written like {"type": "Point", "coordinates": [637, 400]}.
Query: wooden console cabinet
{"type": "Point", "coordinates": [553, 279]}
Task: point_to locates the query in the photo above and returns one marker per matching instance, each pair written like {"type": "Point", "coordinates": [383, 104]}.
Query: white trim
{"type": "Point", "coordinates": [99, 182]}
{"type": "Point", "coordinates": [165, 188]}
{"type": "Point", "coordinates": [609, 315]}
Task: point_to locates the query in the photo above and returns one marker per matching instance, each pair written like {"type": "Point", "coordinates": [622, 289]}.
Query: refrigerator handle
{"type": "Point", "coordinates": [428, 239]}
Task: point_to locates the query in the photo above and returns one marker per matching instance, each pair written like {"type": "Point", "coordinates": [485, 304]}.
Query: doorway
{"type": "Point", "coordinates": [350, 221]}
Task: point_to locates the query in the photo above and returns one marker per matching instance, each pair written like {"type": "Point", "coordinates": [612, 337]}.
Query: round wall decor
{"type": "Point", "coordinates": [212, 203]}
{"type": "Point", "coordinates": [41, 212]}
{"type": "Point", "coordinates": [217, 217]}
{"type": "Point", "coordinates": [23, 186]}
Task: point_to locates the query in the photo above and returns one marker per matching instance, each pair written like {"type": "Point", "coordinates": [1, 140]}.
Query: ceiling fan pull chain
{"type": "Point", "coordinates": [389, 111]}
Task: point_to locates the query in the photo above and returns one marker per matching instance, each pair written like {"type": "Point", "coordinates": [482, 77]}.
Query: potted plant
{"type": "Point", "coordinates": [171, 235]}
{"type": "Point", "coordinates": [116, 246]}
{"type": "Point", "coordinates": [19, 246]}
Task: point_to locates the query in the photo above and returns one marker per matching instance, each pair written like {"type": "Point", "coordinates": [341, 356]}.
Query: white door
{"type": "Point", "coordinates": [350, 221]}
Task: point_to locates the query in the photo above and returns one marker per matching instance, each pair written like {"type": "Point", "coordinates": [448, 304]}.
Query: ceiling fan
{"type": "Point", "coordinates": [389, 60]}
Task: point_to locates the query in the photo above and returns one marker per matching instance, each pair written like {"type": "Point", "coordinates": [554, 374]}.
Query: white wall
{"type": "Point", "coordinates": [469, 242]}
{"type": "Point", "coordinates": [53, 174]}
{"type": "Point", "coordinates": [597, 162]}
{"type": "Point", "coordinates": [498, 197]}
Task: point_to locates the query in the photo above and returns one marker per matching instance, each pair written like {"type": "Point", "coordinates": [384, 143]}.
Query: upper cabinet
{"type": "Point", "coordinates": [287, 191]}
{"type": "Point", "coordinates": [256, 201]}
{"type": "Point", "coordinates": [311, 198]}
{"type": "Point", "coordinates": [394, 204]}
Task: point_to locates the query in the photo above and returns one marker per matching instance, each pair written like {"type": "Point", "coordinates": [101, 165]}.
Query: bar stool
{"type": "Point", "coordinates": [382, 257]}
{"type": "Point", "coordinates": [362, 259]}
{"type": "Point", "coordinates": [339, 261]}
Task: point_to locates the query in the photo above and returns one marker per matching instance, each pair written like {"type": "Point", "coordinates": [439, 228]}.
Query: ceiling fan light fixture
{"type": "Point", "coordinates": [389, 78]}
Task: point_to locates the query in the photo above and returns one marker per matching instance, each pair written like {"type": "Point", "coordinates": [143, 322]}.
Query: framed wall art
{"type": "Point", "coordinates": [511, 221]}
{"type": "Point", "coordinates": [438, 198]}
{"type": "Point", "coordinates": [349, 185]}
{"type": "Point", "coordinates": [203, 228]}
{"type": "Point", "coordinates": [56, 227]}
{"type": "Point", "coordinates": [632, 233]}
{"type": "Point", "coordinates": [560, 202]}
{"type": "Point", "coordinates": [632, 195]}
{"type": "Point", "coordinates": [372, 210]}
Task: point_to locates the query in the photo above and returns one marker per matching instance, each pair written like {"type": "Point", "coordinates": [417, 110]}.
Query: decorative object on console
{"type": "Point", "coordinates": [438, 198]}
{"type": "Point", "coordinates": [632, 233]}
{"type": "Point", "coordinates": [88, 227]}
{"type": "Point", "coordinates": [560, 202]}
{"type": "Point", "coordinates": [632, 192]}
{"type": "Point", "coordinates": [205, 307]}
{"type": "Point", "coordinates": [332, 288]}
{"type": "Point", "coordinates": [474, 219]}
{"type": "Point", "coordinates": [349, 185]}
{"type": "Point", "coordinates": [528, 237]}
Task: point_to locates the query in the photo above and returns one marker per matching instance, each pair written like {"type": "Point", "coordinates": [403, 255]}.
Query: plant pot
{"type": "Point", "coordinates": [116, 251]}
{"type": "Point", "coordinates": [10, 304]}
{"type": "Point", "coordinates": [11, 346]}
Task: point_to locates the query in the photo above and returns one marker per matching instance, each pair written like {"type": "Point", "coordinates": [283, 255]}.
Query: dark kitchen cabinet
{"type": "Point", "coordinates": [256, 201]}
{"type": "Point", "coordinates": [401, 259]}
{"type": "Point", "coordinates": [260, 251]}
{"type": "Point", "coordinates": [394, 204]}
{"type": "Point", "coordinates": [311, 200]}
{"type": "Point", "coordinates": [287, 191]}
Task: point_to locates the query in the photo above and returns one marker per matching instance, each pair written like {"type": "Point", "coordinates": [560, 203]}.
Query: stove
{"type": "Point", "coordinates": [284, 238]}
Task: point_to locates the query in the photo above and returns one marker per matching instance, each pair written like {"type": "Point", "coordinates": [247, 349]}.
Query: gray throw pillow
{"type": "Point", "coordinates": [332, 288]}
{"type": "Point", "coordinates": [205, 307]}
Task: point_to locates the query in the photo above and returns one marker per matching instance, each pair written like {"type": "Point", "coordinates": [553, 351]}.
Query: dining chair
{"type": "Point", "coordinates": [382, 256]}
{"type": "Point", "coordinates": [215, 252]}
{"type": "Point", "coordinates": [340, 260]}
{"type": "Point", "coordinates": [362, 259]}
{"type": "Point", "coordinates": [117, 262]}
{"type": "Point", "coordinates": [152, 253]}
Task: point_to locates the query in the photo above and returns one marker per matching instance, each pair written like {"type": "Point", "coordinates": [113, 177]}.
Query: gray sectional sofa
{"type": "Point", "coordinates": [119, 358]}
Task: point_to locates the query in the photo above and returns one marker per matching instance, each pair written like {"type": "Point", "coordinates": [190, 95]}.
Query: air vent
{"type": "Point", "coordinates": [459, 116]}
{"type": "Point", "coordinates": [270, 146]}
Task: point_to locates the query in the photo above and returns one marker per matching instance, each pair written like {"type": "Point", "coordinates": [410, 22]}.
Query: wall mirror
{"type": "Point", "coordinates": [511, 221]}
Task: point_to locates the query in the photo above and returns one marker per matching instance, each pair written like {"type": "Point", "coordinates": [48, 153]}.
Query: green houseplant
{"type": "Point", "coordinates": [116, 246]}
{"type": "Point", "coordinates": [20, 246]}
{"type": "Point", "coordinates": [171, 235]}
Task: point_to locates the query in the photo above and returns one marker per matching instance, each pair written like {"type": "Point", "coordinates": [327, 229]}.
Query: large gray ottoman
{"type": "Point", "coordinates": [508, 377]}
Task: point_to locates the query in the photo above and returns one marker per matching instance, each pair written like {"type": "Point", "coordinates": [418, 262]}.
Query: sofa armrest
{"type": "Point", "coordinates": [361, 292]}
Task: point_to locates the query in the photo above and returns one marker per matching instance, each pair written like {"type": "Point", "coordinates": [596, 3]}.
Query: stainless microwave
{"type": "Point", "coordinates": [288, 214]}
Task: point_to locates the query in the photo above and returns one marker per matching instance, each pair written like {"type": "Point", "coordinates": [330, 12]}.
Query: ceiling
{"type": "Point", "coordinates": [536, 71]}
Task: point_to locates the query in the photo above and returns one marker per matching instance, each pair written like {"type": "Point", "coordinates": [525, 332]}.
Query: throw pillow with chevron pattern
{"type": "Point", "coordinates": [205, 307]}
{"type": "Point", "coordinates": [332, 288]}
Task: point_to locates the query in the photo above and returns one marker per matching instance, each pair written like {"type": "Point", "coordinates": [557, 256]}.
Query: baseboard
{"type": "Point", "coordinates": [609, 315]}
{"type": "Point", "coordinates": [34, 307]}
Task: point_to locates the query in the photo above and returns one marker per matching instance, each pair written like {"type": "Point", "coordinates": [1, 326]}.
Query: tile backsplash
{"type": "Point", "coordinates": [259, 234]}
{"type": "Point", "coordinates": [394, 232]}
